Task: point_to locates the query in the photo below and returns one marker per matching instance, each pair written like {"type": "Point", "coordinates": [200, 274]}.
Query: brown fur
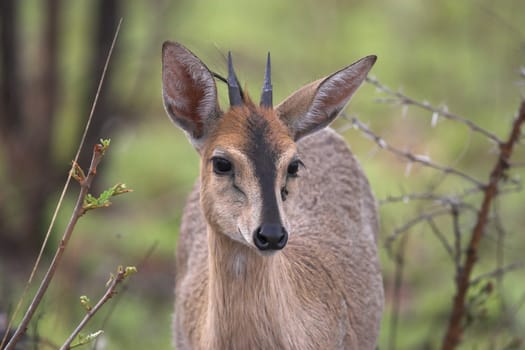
{"type": "Point", "coordinates": [320, 293]}
{"type": "Point", "coordinates": [324, 289]}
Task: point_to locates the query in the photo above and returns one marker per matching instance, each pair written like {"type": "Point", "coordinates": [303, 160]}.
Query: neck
{"type": "Point", "coordinates": [250, 300]}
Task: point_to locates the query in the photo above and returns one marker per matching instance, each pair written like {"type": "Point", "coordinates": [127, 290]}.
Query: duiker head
{"type": "Point", "coordinates": [249, 160]}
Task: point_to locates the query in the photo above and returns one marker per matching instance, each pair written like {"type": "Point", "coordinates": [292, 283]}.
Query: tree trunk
{"type": "Point", "coordinates": [27, 122]}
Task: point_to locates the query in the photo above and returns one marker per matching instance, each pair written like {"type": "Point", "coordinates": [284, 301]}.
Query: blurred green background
{"type": "Point", "coordinates": [466, 55]}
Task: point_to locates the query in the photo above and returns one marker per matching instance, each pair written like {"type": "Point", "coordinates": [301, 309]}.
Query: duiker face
{"type": "Point", "coordinates": [249, 168]}
{"type": "Point", "coordinates": [249, 161]}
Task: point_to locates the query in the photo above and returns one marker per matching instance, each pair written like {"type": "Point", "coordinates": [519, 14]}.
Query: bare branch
{"type": "Point", "coordinates": [122, 273]}
{"type": "Point", "coordinates": [79, 210]}
{"type": "Point", "coordinates": [411, 223]}
{"type": "Point", "coordinates": [500, 271]}
{"type": "Point", "coordinates": [396, 293]}
{"type": "Point", "coordinates": [457, 238]}
{"type": "Point", "coordinates": [454, 200]}
{"type": "Point", "coordinates": [413, 157]}
{"type": "Point", "coordinates": [21, 330]}
{"type": "Point", "coordinates": [441, 237]}
{"type": "Point", "coordinates": [455, 327]}
{"type": "Point", "coordinates": [425, 196]}
{"type": "Point", "coordinates": [111, 308]}
{"type": "Point", "coordinates": [500, 183]}
{"type": "Point", "coordinates": [399, 98]}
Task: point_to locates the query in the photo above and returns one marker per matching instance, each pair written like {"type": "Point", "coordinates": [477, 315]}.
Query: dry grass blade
{"type": "Point", "coordinates": [23, 324]}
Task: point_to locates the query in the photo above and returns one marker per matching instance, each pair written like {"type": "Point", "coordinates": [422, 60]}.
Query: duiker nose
{"type": "Point", "coordinates": [270, 237]}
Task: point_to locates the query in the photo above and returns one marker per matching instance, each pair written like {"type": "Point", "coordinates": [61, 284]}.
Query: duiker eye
{"type": "Point", "coordinates": [293, 168]}
{"type": "Point", "coordinates": [222, 166]}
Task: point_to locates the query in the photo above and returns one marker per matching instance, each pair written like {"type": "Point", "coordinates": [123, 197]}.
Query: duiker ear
{"type": "Point", "coordinates": [189, 92]}
{"type": "Point", "coordinates": [317, 104]}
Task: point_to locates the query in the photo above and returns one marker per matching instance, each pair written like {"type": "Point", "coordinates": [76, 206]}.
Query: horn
{"type": "Point", "coordinates": [234, 91]}
{"type": "Point", "coordinates": [266, 96]}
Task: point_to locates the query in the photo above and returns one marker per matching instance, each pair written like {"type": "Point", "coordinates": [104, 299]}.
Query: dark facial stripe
{"type": "Point", "coordinates": [264, 156]}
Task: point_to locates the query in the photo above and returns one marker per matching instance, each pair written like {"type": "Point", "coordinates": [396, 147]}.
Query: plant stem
{"type": "Point", "coordinates": [64, 190]}
{"type": "Point", "coordinates": [455, 327]}
{"type": "Point", "coordinates": [108, 295]}
{"type": "Point", "coordinates": [79, 210]}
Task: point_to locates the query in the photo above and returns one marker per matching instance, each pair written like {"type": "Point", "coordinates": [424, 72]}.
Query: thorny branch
{"type": "Point", "coordinates": [416, 158]}
{"type": "Point", "coordinates": [450, 200]}
{"type": "Point", "coordinates": [400, 98]}
{"type": "Point", "coordinates": [455, 327]}
{"type": "Point", "coordinates": [463, 252]}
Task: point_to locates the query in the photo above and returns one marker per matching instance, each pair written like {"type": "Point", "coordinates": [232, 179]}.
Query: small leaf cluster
{"type": "Point", "coordinates": [122, 273]}
{"type": "Point", "coordinates": [84, 339]}
{"type": "Point", "coordinates": [92, 202]}
{"type": "Point", "coordinates": [85, 302]}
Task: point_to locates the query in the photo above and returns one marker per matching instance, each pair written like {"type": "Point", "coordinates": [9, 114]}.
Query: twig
{"type": "Point", "coordinates": [425, 196]}
{"type": "Point", "coordinates": [405, 100]}
{"type": "Point", "coordinates": [457, 237]}
{"type": "Point", "coordinates": [500, 263]}
{"type": "Point", "coordinates": [455, 327]}
{"type": "Point", "coordinates": [500, 242]}
{"type": "Point", "coordinates": [500, 271]}
{"type": "Point", "coordinates": [413, 157]}
{"type": "Point", "coordinates": [111, 308]}
{"type": "Point", "coordinates": [421, 218]}
{"type": "Point", "coordinates": [396, 294]}
{"type": "Point", "coordinates": [441, 237]}
{"type": "Point", "coordinates": [79, 210]}
{"type": "Point", "coordinates": [122, 273]}
{"type": "Point", "coordinates": [429, 196]}
{"type": "Point", "coordinates": [62, 195]}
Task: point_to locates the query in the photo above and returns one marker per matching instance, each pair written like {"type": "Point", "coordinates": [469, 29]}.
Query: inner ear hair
{"type": "Point", "coordinates": [189, 92]}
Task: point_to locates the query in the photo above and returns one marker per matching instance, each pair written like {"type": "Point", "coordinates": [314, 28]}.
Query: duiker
{"type": "Point", "coordinates": [277, 247]}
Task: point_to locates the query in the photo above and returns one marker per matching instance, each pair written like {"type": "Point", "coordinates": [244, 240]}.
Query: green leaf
{"type": "Point", "coordinates": [90, 202]}
{"type": "Point", "coordinates": [105, 143]}
{"type": "Point", "coordinates": [85, 339]}
{"type": "Point", "coordinates": [85, 302]}
{"type": "Point", "coordinates": [130, 270]}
